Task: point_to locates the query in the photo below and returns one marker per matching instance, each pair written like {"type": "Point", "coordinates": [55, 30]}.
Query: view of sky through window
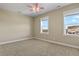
{"type": "Point", "coordinates": [45, 24]}
{"type": "Point", "coordinates": [71, 20]}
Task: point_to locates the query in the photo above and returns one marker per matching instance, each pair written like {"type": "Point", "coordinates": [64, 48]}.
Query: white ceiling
{"type": "Point", "coordinates": [23, 9]}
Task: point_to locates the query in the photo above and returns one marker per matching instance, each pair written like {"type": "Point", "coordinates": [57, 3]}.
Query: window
{"type": "Point", "coordinates": [44, 25]}
{"type": "Point", "coordinates": [71, 24]}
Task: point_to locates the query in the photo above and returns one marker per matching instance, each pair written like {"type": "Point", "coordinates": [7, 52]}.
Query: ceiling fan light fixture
{"type": "Point", "coordinates": [36, 7]}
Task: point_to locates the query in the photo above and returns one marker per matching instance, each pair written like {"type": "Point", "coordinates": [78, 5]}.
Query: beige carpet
{"type": "Point", "coordinates": [36, 48]}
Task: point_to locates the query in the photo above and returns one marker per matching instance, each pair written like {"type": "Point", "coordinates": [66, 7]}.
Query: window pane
{"type": "Point", "coordinates": [44, 25]}
{"type": "Point", "coordinates": [71, 24]}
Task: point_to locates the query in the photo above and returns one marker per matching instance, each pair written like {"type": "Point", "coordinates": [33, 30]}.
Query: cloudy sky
{"type": "Point", "coordinates": [70, 20]}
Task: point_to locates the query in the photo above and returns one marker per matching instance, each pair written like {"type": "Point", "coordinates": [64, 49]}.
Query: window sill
{"type": "Point", "coordinates": [44, 33]}
{"type": "Point", "coordinates": [71, 35]}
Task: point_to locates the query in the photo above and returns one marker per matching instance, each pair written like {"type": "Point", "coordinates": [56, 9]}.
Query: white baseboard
{"type": "Point", "coordinates": [20, 39]}
{"type": "Point", "coordinates": [60, 43]}
{"type": "Point", "coordinates": [55, 42]}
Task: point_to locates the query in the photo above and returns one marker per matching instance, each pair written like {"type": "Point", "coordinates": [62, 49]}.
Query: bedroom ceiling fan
{"type": "Point", "coordinates": [35, 7]}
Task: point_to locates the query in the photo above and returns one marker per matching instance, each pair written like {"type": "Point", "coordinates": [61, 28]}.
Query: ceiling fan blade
{"type": "Point", "coordinates": [29, 6]}
{"type": "Point", "coordinates": [41, 7]}
{"type": "Point", "coordinates": [31, 9]}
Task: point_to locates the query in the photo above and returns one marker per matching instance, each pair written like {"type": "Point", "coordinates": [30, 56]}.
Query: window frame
{"type": "Point", "coordinates": [70, 13]}
{"type": "Point", "coordinates": [41, 19]}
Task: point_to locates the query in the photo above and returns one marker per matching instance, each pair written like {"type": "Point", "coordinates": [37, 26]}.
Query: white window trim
{"type": "Point", "coordinates": [48, 25]}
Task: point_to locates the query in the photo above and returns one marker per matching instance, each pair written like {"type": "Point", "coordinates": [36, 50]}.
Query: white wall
{"type": "Point", "coordinates": [14, 26]}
